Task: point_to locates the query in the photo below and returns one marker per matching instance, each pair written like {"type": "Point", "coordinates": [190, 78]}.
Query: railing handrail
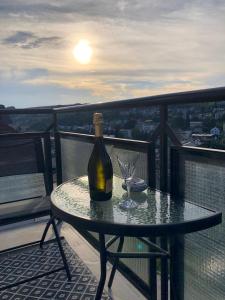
{"type": "Point", "coordinates": [125, 142]}
{"type": "Point", "coordinates": [204, 95]}
{"type": "Point", "coordinates": [22, 135]}
{"type": "Point", "coordinates": [196, 96]}
{"type": "Point", "coordinates": [204, 152]}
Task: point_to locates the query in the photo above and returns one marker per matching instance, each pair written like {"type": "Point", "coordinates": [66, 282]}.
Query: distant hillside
{"type": "Point", "coordinates": [30, 122]}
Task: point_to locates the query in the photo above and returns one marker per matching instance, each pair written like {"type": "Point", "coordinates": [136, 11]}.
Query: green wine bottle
{"type": "Point", "coordinates": [100, 171]}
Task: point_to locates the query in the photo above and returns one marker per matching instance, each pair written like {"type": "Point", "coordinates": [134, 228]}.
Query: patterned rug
{"type": "Point", "coordinates": [30, 261]}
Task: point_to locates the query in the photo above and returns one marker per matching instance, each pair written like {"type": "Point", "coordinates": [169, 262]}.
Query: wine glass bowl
{"type": "Point", "coordinates": [127, 167]}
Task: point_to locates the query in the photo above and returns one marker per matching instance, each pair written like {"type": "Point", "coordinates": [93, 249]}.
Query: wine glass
{"type": "Point", "coordinates": [127, 168]}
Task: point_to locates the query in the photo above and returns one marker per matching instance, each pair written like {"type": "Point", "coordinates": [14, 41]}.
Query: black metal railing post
{"type": "Point", "coordinates": [48, 163]}
{"type": "Point", "coordinates": [151, 166]}
{"type": "Point", "coordinates": [57, 150]}
{"type": "Point", "coordinates": [163, 148]}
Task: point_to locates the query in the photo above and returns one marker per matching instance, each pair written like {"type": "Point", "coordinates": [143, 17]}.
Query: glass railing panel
{"type": "Point", "coordinates": [74, 155]}
{"type": "Point", "coordinates": [202, 181]}
{"type": "Point", "coordinates": [204, 252]}
{"type": "Point", "coordinates": [199, 124]}
{"type": "Point", "coordinates": [132, 123]}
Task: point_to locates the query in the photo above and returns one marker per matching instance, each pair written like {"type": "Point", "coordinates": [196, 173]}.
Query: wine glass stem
{"type": "Point", "coordinates": [128, 189]}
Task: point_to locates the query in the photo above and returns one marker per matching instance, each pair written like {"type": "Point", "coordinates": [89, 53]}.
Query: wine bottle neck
{"type": "Point", "coordinates": [98, 130]}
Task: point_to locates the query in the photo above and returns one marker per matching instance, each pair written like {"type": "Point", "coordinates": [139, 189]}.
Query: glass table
{"type": "Point", "coordinates": [157, 215]}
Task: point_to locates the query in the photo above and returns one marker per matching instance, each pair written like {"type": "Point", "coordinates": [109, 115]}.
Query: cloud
{"type": "Point", "coordinates": [144, 10]}
{"type": "Point", "coordinates": [56, 11]}
{"type": "Point", "coordinates": [20, 75]}
{"type": "Point", "coordinates": [108, 87]}
{"type": "Point", "coordinates": [28, 40]}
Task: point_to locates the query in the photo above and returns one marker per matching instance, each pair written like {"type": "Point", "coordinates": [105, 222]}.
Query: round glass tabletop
{"type": "Point", "coordinates": [156, 212]}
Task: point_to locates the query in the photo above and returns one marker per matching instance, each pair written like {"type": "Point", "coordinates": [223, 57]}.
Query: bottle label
{"type": "Point", "coordinates": [108, 186]}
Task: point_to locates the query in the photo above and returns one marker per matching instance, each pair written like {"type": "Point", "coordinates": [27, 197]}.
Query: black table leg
{"type": "Point", "coordinates": [115, 265]}
{"type": "Point", "coordinates": [61, 249]}
{"type": "Point", "coordinates": [103, 261]}
{"type": "Point", "coordinates": [153, 274]}
{"type": "Point", "coordinates": [177, 267]}
{"type": "Point", "coordinates": [164, 270]}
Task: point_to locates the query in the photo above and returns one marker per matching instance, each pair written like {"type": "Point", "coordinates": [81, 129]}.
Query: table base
{"type": "Point", "coordinates": [105, 254]}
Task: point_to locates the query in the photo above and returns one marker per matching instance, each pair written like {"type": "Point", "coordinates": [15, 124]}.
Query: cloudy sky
{"type": "Point", "coordinates": [138, 48]}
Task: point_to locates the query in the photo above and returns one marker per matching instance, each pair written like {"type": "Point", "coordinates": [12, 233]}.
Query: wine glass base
{"type": "Point", "coordinates": [128, 204]}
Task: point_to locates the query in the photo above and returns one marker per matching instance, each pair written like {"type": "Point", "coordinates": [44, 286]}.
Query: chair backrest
{"type": "Point", "coordinates": [25, 175]}
{"type": "Point", "coordinates": [198, 175]}
{"type": "Point", "coordinates": [76, 149]}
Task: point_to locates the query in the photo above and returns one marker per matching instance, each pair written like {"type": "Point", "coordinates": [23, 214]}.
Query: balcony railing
{"type": "Point", "coordinates": [194, 169]}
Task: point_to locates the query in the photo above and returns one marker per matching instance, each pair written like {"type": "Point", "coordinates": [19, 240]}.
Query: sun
{"type": "Point", "coordinates": [83, 52]}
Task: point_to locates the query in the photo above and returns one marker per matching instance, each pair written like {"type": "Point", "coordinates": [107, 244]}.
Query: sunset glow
{"type": "Point", "coordinates": [83, 52]}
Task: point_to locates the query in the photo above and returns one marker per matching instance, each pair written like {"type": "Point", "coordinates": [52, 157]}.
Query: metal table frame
{"type": "Point", "coordinates": [170, 249]}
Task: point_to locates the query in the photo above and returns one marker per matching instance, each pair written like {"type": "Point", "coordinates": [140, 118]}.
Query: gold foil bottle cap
{"type": "Point", "coordinates": [97, 118]}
